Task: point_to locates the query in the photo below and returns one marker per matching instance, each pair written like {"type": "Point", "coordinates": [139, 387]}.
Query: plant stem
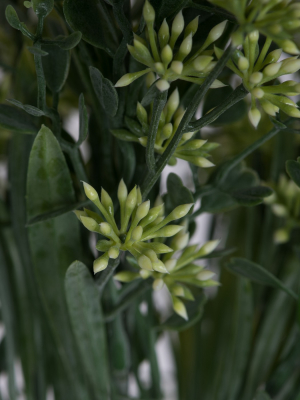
{"type": "Point", "coordinates": [158, 106]}
{"type": "Point", "coordinates": [102, 278]}
{"type": "Point", "coordinates": [152, 177]}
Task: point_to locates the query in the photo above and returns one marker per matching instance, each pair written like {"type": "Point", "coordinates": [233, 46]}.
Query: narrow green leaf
{"type": "Point", "coordinates": [16, 120]}
{"type": "Point", "coordinates": [277, 123]}
{"type": "Point", "coordinates": [293, 169]}
{"type": "Point", "coordinates": [88, 325]}
{"type": "Point", "coordinates": [32, 110]}
{"type": "Point", "coordinates": [150, 95]}
{"type": "Point", "coordinates": [256, 273]}
{"type": "Point", "coordinates": [84, 16]}
{"type": "Point", "coordinates": [56, 66]}
{"type": "Point", "coordinates": [83, 121]}
{"type": "Point", "coordinates": [36, 51]}
{"type": "Point", "coordinates": [105, 91]}
{"type": "Point", "coordinates": [12, 17]}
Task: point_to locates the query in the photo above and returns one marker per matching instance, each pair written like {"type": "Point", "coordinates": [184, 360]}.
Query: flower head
{"type": "Point", "coordinates": [181, 270]}
{"type": "Point", "coordinates": [194, 151]}
{"type": "Point", "coordinates": [158, 53]}
{"type": "Point", "coordinates": [139, 225]}
{"type": "Point", "coordinates": [258, 71]}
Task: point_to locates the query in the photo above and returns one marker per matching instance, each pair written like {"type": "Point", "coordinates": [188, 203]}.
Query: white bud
{"type": "Point", "coordinates": [256, 77]}
{"type": "Point", "coordinates": [90, 192]}
{"type": "Point", "coordinates": [185, 47]}
{"type": "Point", "coordinates": [113, 252]}
{"type": "Point", "coordinates": [162, 85]}
{"type": "Point", "coordinates": [179, 308]}
{"type": "Point", "coordinates": [177, 67]}
{"type": "Point", "coordinates": [105, 228]}
{"type": "Point", "coordinates": [258, 93]}
{"type": "Point", "coordinates": [216, 31]}
{"type": "Point", "coordinates": [205, 275]}
{"type": "Point", "coordinates": [148, 12]}
{"type": "Point", "coordinates": [254, 116]}
{"type": "Point", "coordinates": [178, 24]}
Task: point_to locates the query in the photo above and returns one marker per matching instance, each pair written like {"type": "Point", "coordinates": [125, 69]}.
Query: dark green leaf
{"type": "Point", "coordinates": [277, 123]}
{"type": "Point", "coordinates": [128, 161]}
{"type": "Point", "coordinates": [88, 325]}
{"type": "Point", "coordinates": [37, 51]}
{"type": "Point", "coordinates": [12, 17]}
{"type": "Point", "coordinates": [256, 273]}
{"type": "Point", "coordinates": [85, 17]}
{"type": "Point", "coordinates": [134, 127]}
{"type": "Point", "coordinates": [105, 91]}
{"type": "Point", "coordinates": [69, 42]}
{"type": "Point", "coordinates": [16, 120]}
{"type": "Point", "coordinates": [262, 395]}
{"type": "Point", "coordinates": [150, 95]}
{"type": "Point", "coordinates": [56, 66]}
{"type": "Point", "coordinates": [177, 193]}
{"type": "Point", "coordinates": [293, 169]}
{"type": "Point", "coordinates": [36, 112]}
{"type": "Point", "coordinates": [194, 310]}
{"type": "Point", "coordinates": [83, 121]}
{"type": "Point", "coordinates": [167, 8]}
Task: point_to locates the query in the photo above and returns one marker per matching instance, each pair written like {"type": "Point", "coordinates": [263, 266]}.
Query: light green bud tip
{"type": "Point", "coordinates": [90, 192]}
{"type": "Point", "coordinates": [167, 54]}
{"type": "Point", "coordinates": [254, 116]}
{"type": "Point", "coordinates": [141, 113]}
{"type": "Point", "coordinates": [243, 64]}
{"type": "Point", "coordinates": [158, 284]}
{"type": "Point", "coordinates": [163, 34]}
{"type": "Point", "coordinates": [167, 130]}
{"type": "Point", "coordinates": [131, 199]}
{"type": "Point", "coordinates": [80, 213]}
{"type": "Point", "coordinates": [90, 224]}
{"type": "Point", "coordinates": [122, 191]}
{"type": "Point", "coordinates": [291, 66]}
{"type": "Point", "coordinates": [181, 211]}
{"type": "Point", "coordinates": [258, 93]}
{"type": "Point", "coordinates": [177, 67]}
{"type": "Point", "coordinates": [217, 31]}
{"type": "Point", "coordinates": [170, 264]}
{"type": "Point", "coordinates": [148, 12]}
{"type": "Point", "coordinates": [178, 24]}
{"type": "Point", "coordinates": [137, 234]}
{"type": "Point", "coordinates": [289, 47]}
{"type": "Point", "coordinates": [180, 241]}
{"type": "Point", "coordinates": [179, 308]}
{"type": "Point", "coordinates": [162, 85]}
{"type": "Point", "coordinates": [192, 27]}
{"type": "Point", "coordinates": [143, 210]}
{"type": "Point", "coordinates": [145, 263]}
{"type": "Point", "coordinates": [186, 45]}
{"type": "Point", "coordinates": [256, 77]}
{"type": "Point", "coordinates": [201, 62]}
{"type": "Point", "coordinates": [205, 275]}
{"type": "Point", "coordinates": [272, 69]}
{"type": "Point", "coordinates": [105, 228]}
{"type": "Point", "coordinates": [253, 36]}
{"type": "Point", "coordinates": [113, 252]}
{"type": "Point", "coordinates": [209, 247]}
{"type": "Point", "coordinates": [159, 266]}
{"type": "Point", "coordinates": [100, 264]}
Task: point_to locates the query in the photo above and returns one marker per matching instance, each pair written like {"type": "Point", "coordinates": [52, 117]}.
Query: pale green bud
{"type": "Point", "coordinates": [205, 275]}
{"type": "Point", "coordinates": [193, 145]}
{"type": "Point", "coordinates": [281, 236]}
{"type": "Point", "coordinates": [170, 264]}
{"type": "Point", "coordinates": [179, 308]}
{"type": "Point", "coordinates": [216, 32]}
{"type": "Point", "coordinates": [167, 231]}
{"type": "Point", "coordinates": [143, 210]}
{"type": "Point", "coordinates": [105, 229]}
{"type": "Point", "coordinates": [127, 79]}
{"type": "Point", "coordinates": [201, 62]}
{"type": "Point", "coordinates": [159, 68]}
{"type": "Point", "coordinates": [148, 12]}
{"type": "Point", "coordinates": [152, 215]}
{"type": "Point", "coordinates": [243, 64]}
{"type": "Point", "coordinates": [178, 290]}
{"type": "Point", "coordinates": [141, 53]}
{"type": "Point", "coordinates": [104, 245]}
{"type": "Point", "coordinates": [79, 214]}
{"type": "Point", "coordinates": [90, 192]}
{"type": "Point", "coordinates": [113, 252]}
{"type": "Point", "coordinates": [253, 36]}
{"type": "Point", "coordinates": [254, 116]}
{"type": "Point", "coordinates": [107, 202]}
{"type": "Point", "coordinates": [151, 254]}
{"type": "Point", "coordinates": [178, 24]}
{"type": "Point", "coordinates": [126, 276]}
{"type": "Point", "coordinates": [145, 273]}
{"type": "Point", "coordinates": [145, 262]}
{"type": "Point", "coordinates": [210, 67]}
{"type": "Point", "coordinates": [185, 47]}
{"type": "Point", "coordinates": [179, 242]}
{"type": "Point", "coordinates": [90, 224]}
{"type": "Point", "coordinates": [217, 84]}
{"type": "Point", "coordinates": [187, 136]}
{"type": "Point", "coordinates": [93, 215]}
{"type": "Point", "coordinates": [166, 55]}
{"type": "Point", "coordinates": [172, 105]}
{"type": "Point", "coordinates": [137, 233]}
{"type": "Point", "coordinates": [131, 200]}
{"type": "Point", "coordinates": [159, 266]}
{"type": "Point", "coordinates": [143, 141]}
{"type": "Point", "coordinates": [289, 47]}
{"type": "Point", "coordinates": [141, 114]}
{"type": "Point", "coordinates": [237, 38]}
{"type": "Point", "coordinates": [269, 108]}
{"type": "Point", "coordinates": [180, 211]}
{"type": "Point", "coordinates": [256, 77]}
{"type": "Point", "coordinates": [150, 79]}
{"type": "Point", "coordinates": [258, 93]}
{"type": "Point", "coordinates": [202, 162]}
{"type": "Point", "coordinates": [208, 248]}
{"type": "Point", "coordinates": [122, 192]}
{"type": "Point", "coordinates": [192, 27]}
{"type": "Point", "coordinates": [273, 56]}
{"type": "Point", "coordinates": [290, 110]}
{"type": "Point", "coordinates": [177, 67]}
{"type": "Point", "coordinates": [162, 85]}
{"type": "Point", "coordinates": [290, 66]}
{"type": "Point", "coordinates": [167, 131]}
{"type": "Point", "coordinates": [101, 263]}
{"type": "Point", "coordinates": [163, 34]}
{"type": "Point", "coordinates": [158, 284]}
{"type": "Point", "coordinates": [139, 197]}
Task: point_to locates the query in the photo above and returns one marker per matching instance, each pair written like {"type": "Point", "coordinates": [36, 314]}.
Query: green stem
{"type": "Point", "coordinates": [158, 106]}
{"type": "Point", "coordinates": [151, 177]}
{"type": "Point", "coordinates": [104, 276]}
{"type": "Point", "coordinates": [78, 165]}
{"type": "Point", "coordinates": [126, 300]}
{"type": "Point", "coordinates": [41, 81]}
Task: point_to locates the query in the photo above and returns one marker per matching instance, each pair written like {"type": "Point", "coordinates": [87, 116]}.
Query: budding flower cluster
{"type": "Point", "coordinates": [194, 151]}
{"type": "Point", "coordinates": [157, 52]}
{"type": "Point", "coordinates": [257, 71]}
{"type": "Point", "coordinates": [275, 19]}
{"type": "Point", "coordinates": [181, 270]}
{"type": "Point", "coordinates": [139, 224]}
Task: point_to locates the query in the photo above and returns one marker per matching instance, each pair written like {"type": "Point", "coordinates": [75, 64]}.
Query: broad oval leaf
{"type": "Point", "coordinates": [69, 42]}
{"type": "Point", "coordinates": [56, 66]}
{"type": "Point", "coordinates": [177, 193]}
{"type": "Point", "coordinates": [293, 169]}
{"type": "Point", "coordinates": [85, 16]}
{"type": "Point", "coordinates": [16, 120]}
{"type": "Point", "coordinates": [88, 325]}
{"type": "Point", "coordinates": [256, 273]}
{"type": "Point", "coordinates": [105, 91]}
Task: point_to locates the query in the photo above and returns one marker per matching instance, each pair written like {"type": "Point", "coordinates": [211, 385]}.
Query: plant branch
{"type": "Point", "coordinates": [104, 276]}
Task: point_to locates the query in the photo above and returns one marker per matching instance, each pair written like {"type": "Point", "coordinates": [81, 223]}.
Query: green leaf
{"type": "Point", "coordinates": [252, 196]}
{"type": "Point", "coordinates": [88, 325]}
{"type": "Point", "coordinates": [36, 112]}
{"type": "Point", "coordinates": [150, 95]}
{"type": "Point", "coordinates": [128, 161]}
{"type": "Point", "coordinates": [167, 8]}
{"type": "Point", "coordinates": [12, 17]}
{"type": "Point", "coordinates": [262, 395]}
{"type": "Point", "coordinates": [194, 311]}
{"type": "Point", "coordinates": [293, 170]}
{"type": "Point", "coordinates": [177, 193]}
{"type": "Point", "coordinates": [134, 127]}
{"type": "Point", "coordinates": [37, 51]}
{"type": "Point", "coordinates": [105, 91]}
{"type": "Point", "coordinates": [16, 120]}
{"type": "Point", "coordinates": [56, 66]}
{"type": "Point", "coordinates": [84, 16]}
{"type": "Point", "coordinates": [69, 42]}
{"type": "Point", "coordinates": [123, 134]}
{"type": "Point", "coordinates": [54, 244]}
{"type": "Point", "coordinates": [230, 116]}
{"type": "Point", "coordinates": [83, 121]}
{"type": "Point", "coordinates": [256, 273]}
{"type": "Point", "coordinates": [277, 123]}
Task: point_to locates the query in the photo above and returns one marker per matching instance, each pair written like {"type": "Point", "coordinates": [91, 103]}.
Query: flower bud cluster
{"type": "Point", "coordinates": [194, 151]}
{"type": "Point", "coordinates": [181, 270]}
{"type": "Point", "coordinates": [274, 18]}
{"type": "Point", "coordinates": [285, 204]}
{"type": "Point", "coordinates": [158, 53]}
{"type": "Point", "coordinates": [139, 225]}
{"type": "Point", "coordinates": [258, 70]}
